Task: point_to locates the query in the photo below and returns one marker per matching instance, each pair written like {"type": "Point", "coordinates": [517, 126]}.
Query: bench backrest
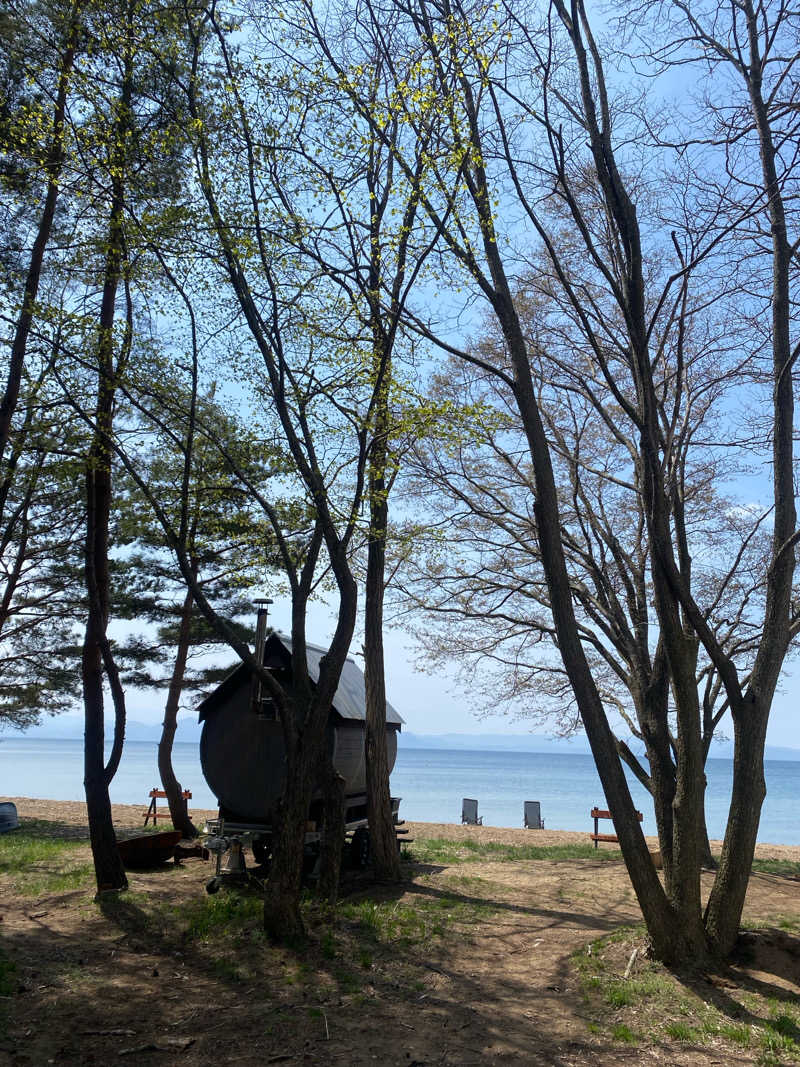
{"type": "Point", "coordinates": [601, 813]}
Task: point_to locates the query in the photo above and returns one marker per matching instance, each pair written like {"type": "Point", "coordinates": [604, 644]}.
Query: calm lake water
{"type": "Point", "coordinates": [431, 783]}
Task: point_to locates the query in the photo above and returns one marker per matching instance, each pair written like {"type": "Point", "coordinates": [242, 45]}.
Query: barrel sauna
{"type": "Point", "coordinates": [242, 749]}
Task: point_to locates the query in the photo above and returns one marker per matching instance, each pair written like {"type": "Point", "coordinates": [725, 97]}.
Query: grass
{"type": "Point", "coordinates": [681, 1031]}
{"type": "Point", "coordinates": [40, 863]}
{"type": "Point", "coordinates": [439, 850]}
{"type": "Point", "coordinates": [783, 867]}
{"type": "Point", "coordinates": [683, 1010]}
{"type": "Point", "coordinates": [223, 915]}
{"type": "Point", "coordinates": [406, 924]}
{"type": "Point", "coordinates": [623, 1033]}
{"type": "Point", "coordinates": [789, 923]}
{"type": "Point", "coordinates": [363, 934]}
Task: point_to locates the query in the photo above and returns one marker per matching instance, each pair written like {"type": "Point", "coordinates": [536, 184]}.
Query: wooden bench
{"type": "Point", "coordinates": [601, 813]}
{"type": "Point", "coordinates": [153, 812]}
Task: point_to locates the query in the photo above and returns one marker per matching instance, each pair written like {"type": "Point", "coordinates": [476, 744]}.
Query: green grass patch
{"type": "Point", "coordinates": [681, 1031]}
{"type": "Point", "coordinates": [789, 923]}
{"type": "Point", "coordinates": [225, 914]}
{"type": "Point", "coordinates": [777, 1046]}
{"type": "Point", "coordinates": [404, 923]}
{"type": "Point", "coordinates": [619, 996]}
{"type": "Point", "coordinates": [439, 850]}
{"type": "Point", "coordinates": [680, 1008]}
{"type": "Point", "coordinates": [41, 863]}
{"type": "Point", "coordinates": [784, 867]}
{"type": "Point", "coordinates": [736, 1034]}
{"type": "Point", "coordinates": [22, 849]}
{"type": "Point", "coordinates": [621, 1032]}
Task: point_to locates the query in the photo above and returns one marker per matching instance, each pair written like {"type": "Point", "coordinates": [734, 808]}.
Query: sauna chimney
{"type": "Point", "coordinates": [261, 639]}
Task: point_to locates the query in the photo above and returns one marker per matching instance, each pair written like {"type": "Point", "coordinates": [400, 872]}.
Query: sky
{"type": "Point", "coordinates": [433, 703]}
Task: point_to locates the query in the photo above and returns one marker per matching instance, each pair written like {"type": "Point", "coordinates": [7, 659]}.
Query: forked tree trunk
{"type": "Point", "coordinates": [672, 938]}
{"type": "Point", "coordinates": [178, 808]}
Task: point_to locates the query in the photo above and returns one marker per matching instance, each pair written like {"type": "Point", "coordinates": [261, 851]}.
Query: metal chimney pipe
{"type": "Point", "coordinates": [261, 639]}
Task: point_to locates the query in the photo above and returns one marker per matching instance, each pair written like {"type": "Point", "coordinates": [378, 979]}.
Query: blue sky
{"type": "Point", "coordinates": [433, 704]}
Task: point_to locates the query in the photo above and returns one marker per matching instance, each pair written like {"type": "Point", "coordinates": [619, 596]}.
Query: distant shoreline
{"type": "Point", "coordinates": [522, 744]}
{"type": "Point", "coordinates": [129, 817]}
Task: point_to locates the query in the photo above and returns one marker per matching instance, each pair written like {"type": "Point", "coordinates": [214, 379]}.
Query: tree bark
{"type": "Point", "coordinates": [333, 828]}
{"type": "Point", "coordinates": [671, 940]}
{"type": "Point", "coordinates": [726, 900]}
{"type": "Point", "coordinates": [283, 921]}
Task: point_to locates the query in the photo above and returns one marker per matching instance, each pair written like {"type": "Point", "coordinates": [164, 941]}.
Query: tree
{"type": "Point", "coordinates": [227, 550]}
{"type": "Point", "coordinates": [305, 391]}
{"type": "Point", "coordinates": [482, 593]}
{"type": "Point", "coordinates": [21, 133]}
{"type": "Point", "coordinates": [129, 153]}
{"type": "Point", "coordinates": [756, 44]}
{"type": "Point", "coordinates": [496, 96]}
{"type": "Point", "coordinates": [373, 247]}
{"type": "Point", "coordinates": [37, 507]}
{"type": "Point", "coordinates": [41, 590]}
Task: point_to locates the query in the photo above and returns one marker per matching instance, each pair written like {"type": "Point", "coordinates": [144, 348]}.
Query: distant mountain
{"type": "Point", "coordinates": [724, 750]}
{"type": "Point", "coordinates": [70, 727]}
{"type": "Point", "coordinates": [496, 742]}
{"type": "Point", "coordinates": [540, 743]}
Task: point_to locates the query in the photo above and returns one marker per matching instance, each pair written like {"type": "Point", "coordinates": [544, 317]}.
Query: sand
{"type": "Point", "coordinates": [128, 817]}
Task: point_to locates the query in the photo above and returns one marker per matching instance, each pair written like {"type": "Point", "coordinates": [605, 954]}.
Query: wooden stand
{"type": "Point", "coordinates": [153, 812]}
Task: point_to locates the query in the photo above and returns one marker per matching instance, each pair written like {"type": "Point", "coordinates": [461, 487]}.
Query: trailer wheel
{"type": "Point", "coordinates": [360, 848]}
{"type": "Point", "coordinates": [212, 886]}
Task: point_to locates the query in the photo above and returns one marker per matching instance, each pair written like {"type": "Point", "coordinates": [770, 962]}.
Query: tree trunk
{"type": "Point", "coordinates": [726, 900]}
{"type": "Point", "coordinates": [333, 825]}
{"type": "Point", "coordinates": [178, 808]}
{"type": "Point", "coordinates": [383, 840]}
{"type": "Point", "coordinates": [282, 919]}
{"type": "Point", "coordinates": [706, 856]}
{"type": "Point", "coordinates": [109, 870]}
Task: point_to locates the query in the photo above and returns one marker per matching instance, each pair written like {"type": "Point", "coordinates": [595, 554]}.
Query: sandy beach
{"type": "Point", "coordinates": [130, 817]}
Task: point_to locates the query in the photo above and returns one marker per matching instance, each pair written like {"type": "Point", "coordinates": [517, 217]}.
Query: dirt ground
{"type": "Point", "coordinates": [113, 984]}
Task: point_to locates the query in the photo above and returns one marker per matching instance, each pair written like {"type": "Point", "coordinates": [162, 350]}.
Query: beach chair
{"type": "Point", "coordinates": [9, 819]}
{"type": "Point", "coordinates": [469, 812]}
{"type": "Point", "coordinates": [533, 815]}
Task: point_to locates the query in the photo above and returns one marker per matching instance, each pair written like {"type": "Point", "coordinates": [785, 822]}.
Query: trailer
{"type": "Point", "coordinates": [242, 754]}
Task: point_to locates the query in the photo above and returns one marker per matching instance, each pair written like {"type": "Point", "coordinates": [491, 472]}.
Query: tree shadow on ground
{"type": "Point", "coordinates": [591, 920]}
{"type": "Point", "coordinates": [48, 828]}
{"type": "Point", "coordinates": [769, 952]}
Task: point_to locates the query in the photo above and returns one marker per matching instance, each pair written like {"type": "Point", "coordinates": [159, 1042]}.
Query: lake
{"type": "Point", "coordinates": [431, 783]}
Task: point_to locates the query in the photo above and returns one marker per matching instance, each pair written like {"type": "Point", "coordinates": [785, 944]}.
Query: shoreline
{"type": "Point", "coordinates": [128, 817]}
